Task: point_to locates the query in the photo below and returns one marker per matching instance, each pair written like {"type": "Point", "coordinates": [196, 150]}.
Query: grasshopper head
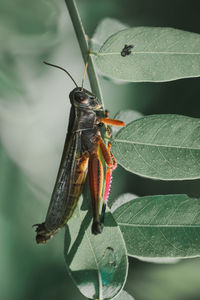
{"type": "Point", "coordinates": [84, 99]}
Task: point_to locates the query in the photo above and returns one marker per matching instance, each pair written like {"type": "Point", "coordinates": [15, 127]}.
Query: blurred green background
{"type": "Point", "coordinates": [34, 109]}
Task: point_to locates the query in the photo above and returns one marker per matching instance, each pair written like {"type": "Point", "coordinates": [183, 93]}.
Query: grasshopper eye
{"type": "Point", "coordinates": [81, 97]}
{"type": "Point", "coordinates": [93, 103]}
{"type": "Point", "coordinates": [93, 100]}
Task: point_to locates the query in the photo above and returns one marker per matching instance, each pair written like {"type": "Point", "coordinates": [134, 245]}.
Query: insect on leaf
{"type": "Point", "coordinates": [151, 54]}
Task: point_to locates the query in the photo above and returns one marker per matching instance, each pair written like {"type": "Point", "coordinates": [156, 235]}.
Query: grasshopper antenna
{"type": "Point", "coordinates": [84, 73]}
{"type": "Point", "coordinates": [62, 70]}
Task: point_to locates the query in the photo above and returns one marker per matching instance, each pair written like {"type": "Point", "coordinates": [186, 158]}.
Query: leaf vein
{"type": "Point", "coordinates": [160, 225]}
{"type": "Point", "coordinates": [155, 145]}
{"type": "Point", "coordinates": [170, 243]}
{"type": "Point", "coordinates": [150, 52]}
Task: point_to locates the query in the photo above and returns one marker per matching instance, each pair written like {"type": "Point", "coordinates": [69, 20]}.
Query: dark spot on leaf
{"type": "Point", "coordinates": [109, 257]}
{"type": "Point", "coordinates": [126, 50]}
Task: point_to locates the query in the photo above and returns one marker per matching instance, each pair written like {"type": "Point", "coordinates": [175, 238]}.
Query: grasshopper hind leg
{"type": "Point", "coordinates": [95, 172]}
{"type": "Point", "coordinates": [108, 183]}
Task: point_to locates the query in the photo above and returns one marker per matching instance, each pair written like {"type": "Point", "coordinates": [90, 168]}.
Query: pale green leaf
{"type": "Point", "coordinates": [164, 147]}
{"type": "Point", "coordinates": [122, 199]}
{"type": "Point", "coordinates": [161, 226]}
{"type": "Point", "coordinates": [159, 260]}
{"type": "Point", "coordinates": [124, 296]}
{"type": "Point", "coordinates": [126, 115]}
{"type": "Point", "coordinates": [105, 28]}
{"type": "Point", "coordinates": [159, 54]}
{"type": "Point", "coordinates": [97, 264]}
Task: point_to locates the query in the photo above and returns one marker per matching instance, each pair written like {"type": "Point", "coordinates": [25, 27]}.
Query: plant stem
{"type": "Point", "coordinates": [81, 37]}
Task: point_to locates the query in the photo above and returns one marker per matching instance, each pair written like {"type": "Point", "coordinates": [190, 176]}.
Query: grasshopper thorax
{"type": "Point", "coordinates": [84, 99]}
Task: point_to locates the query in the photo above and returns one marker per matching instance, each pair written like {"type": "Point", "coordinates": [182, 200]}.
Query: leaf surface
{"type": "Point", "coordinates": [126, 115]}
{"type": "Point", "coordinates": [161, 226]}
{"type": "Point", "coordinates": [104, 30]}
{"type": "Point", "coordinates": [163, 147]}
{"type": "Point", "coordinates": [159, 54]}
{"type": "Point", "coordinates": [97, 264]}
{"type": "Point", "coordinates": [124, 296]}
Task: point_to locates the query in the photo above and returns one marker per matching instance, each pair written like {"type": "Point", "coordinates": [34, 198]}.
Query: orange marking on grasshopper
{"type": "Point", "coordinates": [109, 175]}
{"type": "Point", "coordinates": [109, 159]}
{"type": "Point", "coordinates": [108, 183]}
{"type": "Point", "coordinates": [95, 172]}
{"type": "Point", "coordinates": [114, 122]}
{"type": "Point", "coordinates": [96, 175]}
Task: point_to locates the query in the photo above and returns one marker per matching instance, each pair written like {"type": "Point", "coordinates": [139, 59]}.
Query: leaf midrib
{"type": "Point", "coordinates": [160, 225]}
{"type": "Point", "coordinates": [154, 145]}
{"type": "Point", "coordinates": [149, 52]}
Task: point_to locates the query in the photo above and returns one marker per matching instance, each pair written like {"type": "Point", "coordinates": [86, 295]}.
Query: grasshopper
{"type": "Point", "coordinates": [81, 155]}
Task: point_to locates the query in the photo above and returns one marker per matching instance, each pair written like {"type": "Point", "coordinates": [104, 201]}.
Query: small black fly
{"type": "Point", "coordinates": [126, 50]}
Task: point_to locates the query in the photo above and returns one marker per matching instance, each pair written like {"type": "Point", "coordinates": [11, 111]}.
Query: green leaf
{"type": "Point", "coordinates": [159, 54]}
{"type": "Point", "coordinates": [124, 296]}
{"type": "Point", "coordinates": [105, 28]}
{"type": "Point", "coordinates": [159, 260]}
{"type": "Point", "coordinates": [125, 198]}
{"type": "Point", "coordinates": [161, 226]}
{"type": "Point", "coordinates": [122, 199]}
{"type": "Point", "coordinates": [97, 264]}
{"type": "Point", "coordinates": [164, 147]}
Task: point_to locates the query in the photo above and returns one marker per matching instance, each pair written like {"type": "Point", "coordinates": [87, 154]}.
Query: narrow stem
{"type": "Point", "coordinates": [81, 37]}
